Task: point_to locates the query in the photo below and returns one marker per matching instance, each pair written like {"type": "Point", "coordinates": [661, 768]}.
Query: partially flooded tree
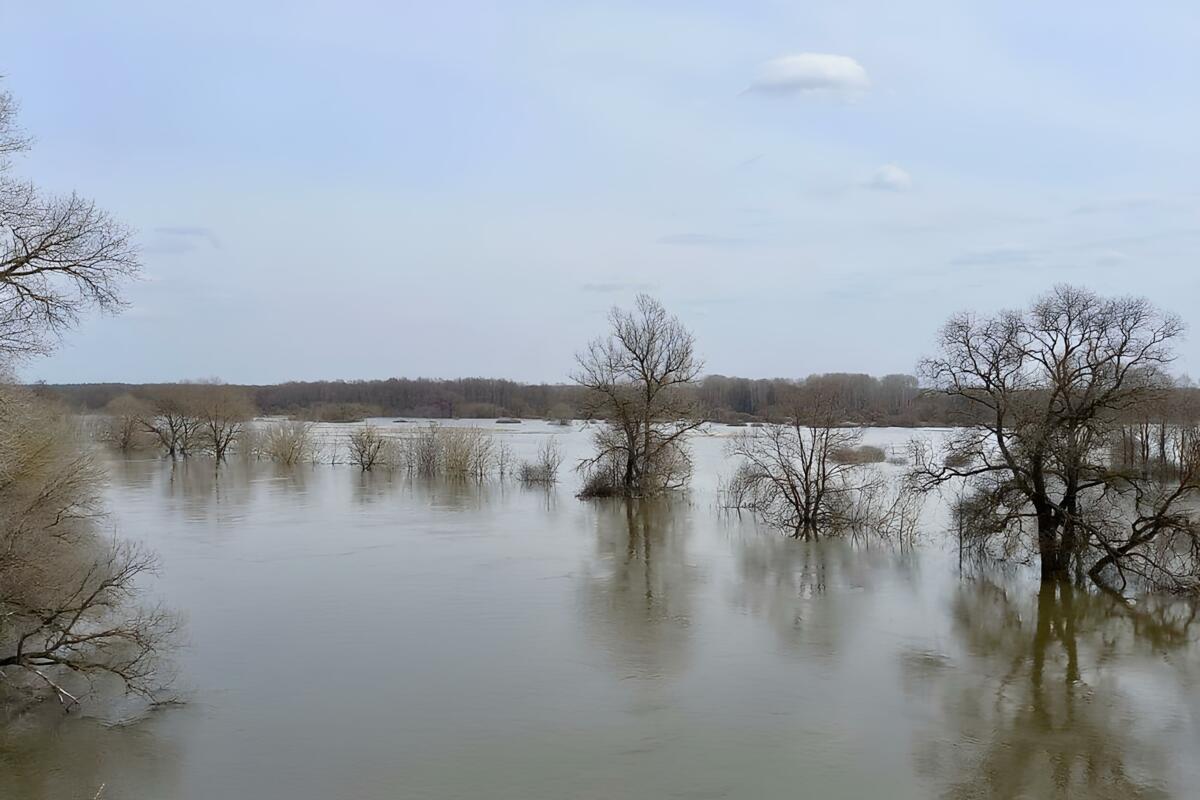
{"type": "Point", "coordinates": [637, 379]}
{"type": "Point", "coordinates": [369, 447]}
{"type": "Point", "coordinates": [1050, 386]}
{"type": "Point", "coordinates": [58, 255]}
{"type": "Point", "coordinates": [123, 427]}
{"type": "Point", "coordinates": [68, 611]}
{"type": "Point", "coordinates": [805, 476]}
{"type": "Point", "coordinates": [173, 419]}
{"type": "Point", "coordinates": [221, 414]}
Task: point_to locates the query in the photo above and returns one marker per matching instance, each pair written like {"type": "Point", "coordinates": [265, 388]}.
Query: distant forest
{"type": "Point", "coordinates": [863, 399]}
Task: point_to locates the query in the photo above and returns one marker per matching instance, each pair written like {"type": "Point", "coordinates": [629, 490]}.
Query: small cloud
{"type": "Point", "coordinates": [890, 178]}
{"type": "Point", "coordinates": [618, 286]}
{"type": "Point", "coordinates": [702, 240]}
{"type": "Point", "coordinates": [811, 73]}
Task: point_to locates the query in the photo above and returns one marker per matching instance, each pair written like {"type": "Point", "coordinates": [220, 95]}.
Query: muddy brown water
{"type": "Point", "coordinates": [373, 636]}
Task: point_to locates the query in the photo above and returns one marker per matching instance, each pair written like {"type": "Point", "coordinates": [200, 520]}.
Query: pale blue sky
{"type": "Point", "coordinates": [442, 189]}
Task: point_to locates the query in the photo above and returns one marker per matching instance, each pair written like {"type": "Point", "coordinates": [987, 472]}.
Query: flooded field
{"type": "Point", "coordinates": [379, 636]}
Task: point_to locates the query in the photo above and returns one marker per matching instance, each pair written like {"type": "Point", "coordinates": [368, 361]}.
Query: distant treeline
{"type": "Point", "coordinates": [888, 400]}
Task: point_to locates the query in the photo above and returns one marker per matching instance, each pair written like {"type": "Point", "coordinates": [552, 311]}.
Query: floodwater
{"type": "Point", "coordinates": [374, 636]}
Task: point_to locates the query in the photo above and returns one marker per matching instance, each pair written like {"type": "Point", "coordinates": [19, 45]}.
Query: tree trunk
{"type": "Point", "coordinates": [1055, 560]}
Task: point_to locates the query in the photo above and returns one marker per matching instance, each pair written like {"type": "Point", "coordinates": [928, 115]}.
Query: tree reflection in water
{"type": "Point", "coordinates": [637, 598]}
{"type": "Point", "coordinates": [1035, 710]}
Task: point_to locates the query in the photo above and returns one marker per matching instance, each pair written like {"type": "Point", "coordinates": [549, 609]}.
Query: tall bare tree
{"type": "Point", "coordinates": [58, 255]}
{"type": "Point", "coordinates": [637, 379]}
{"type": "Point", "coordinates": [1049, 386]}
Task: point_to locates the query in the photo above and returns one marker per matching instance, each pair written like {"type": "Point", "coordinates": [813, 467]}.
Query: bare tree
{"type": "Point", "coordinates": [124, 429]}
{"type": "Point", "coordinates": [1049, 386]}
{"type": "Point", "coordinates": [636, 379]}
{"type": "Point", "coordinates": [369, 447]}
{"type": "Point", "coordinates": [802, 476]}
{"type": "Point", "coordinates": [68, 612]}
{"type": "Point", "coordinates": [221, 413]}
{"type": "Point", "coordinates": [174, 420]}
{"type": "Point", "coordinates": [58, 255]}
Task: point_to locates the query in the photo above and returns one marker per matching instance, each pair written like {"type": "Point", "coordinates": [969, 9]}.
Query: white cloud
{"type": "Point", "coordinates": [807, 73]}
{"type": "Point", "coordinates": [890, 178]}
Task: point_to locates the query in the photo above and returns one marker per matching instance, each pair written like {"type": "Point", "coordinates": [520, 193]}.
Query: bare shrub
{"type": "Point", "coordinates": [421, 451]}
{"type": "Point", "coordinates": [602, 480]}
{"type": "Point", "coordinates": [504, 458]}
{"type": "Point", "coordinates": [544, 469]}
{"type": "Point", "coordinates": [465, 452]}
{"type": "Point", "coordinates": [289, 442]}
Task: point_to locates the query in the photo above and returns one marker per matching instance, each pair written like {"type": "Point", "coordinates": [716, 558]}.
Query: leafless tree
{"type": "Point", "coordinates": [1050, 385]}
{"type": "Point", "coordinates": [68, 611]}
{"type": "Point", "coordinates": [58, 255]}
{"type": "Point", "coordinates": [369, 447]}
{"type": "Point", "coordinates": [174, 420]}
{"type": "Point", "coordinates": [791, 474]}
{"type": "Point", "coordinates": [637, 379]}
{"type": "Point", "coordinates": [123, 427]}
{"type": "Point", "coordinates": [221, 413]}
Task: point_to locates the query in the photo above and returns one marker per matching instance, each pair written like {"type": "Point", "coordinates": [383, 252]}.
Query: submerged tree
{"type": "Point", "coordinates": [221, 414]}
{"type": "Point", "coordinates": [636, 379]}
{"type": "Point", "coordinates": [1049, 387]}
{"type": "Point", "coordinates": [811, 476]}
{"type": "Point", "coordinates": [790, 476]}
{"type": "Point", "coordinates": [173, 419]}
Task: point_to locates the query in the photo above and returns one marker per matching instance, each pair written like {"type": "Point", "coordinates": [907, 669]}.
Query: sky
{"type": "Point", "coordinates": [441, 189]}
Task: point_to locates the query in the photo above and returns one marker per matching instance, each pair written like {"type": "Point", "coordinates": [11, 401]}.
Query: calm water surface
{"type": "Point", "coordinates": [372, 636]}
